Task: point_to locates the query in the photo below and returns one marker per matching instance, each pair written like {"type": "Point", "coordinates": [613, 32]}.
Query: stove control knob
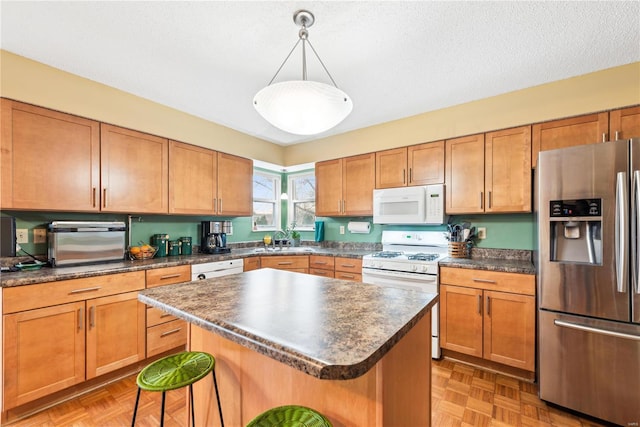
{"type": "Point", "coordinates": [414, 268]}
{"type": "Point", "coordinates": [424, 268]}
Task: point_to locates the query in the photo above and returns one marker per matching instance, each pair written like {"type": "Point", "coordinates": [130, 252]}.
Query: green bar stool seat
{"type": "Point", "coordinates": [290, 416]}
{"type": "Point", "coordinates": [177, 371]}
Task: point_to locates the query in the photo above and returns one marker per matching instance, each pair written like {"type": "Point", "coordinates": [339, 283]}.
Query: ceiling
{"type": "Point", "coordinates": [394, 58]}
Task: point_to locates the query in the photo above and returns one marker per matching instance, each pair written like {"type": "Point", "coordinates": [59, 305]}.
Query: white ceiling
{"type": "Point", "coordinates": [394, 58]}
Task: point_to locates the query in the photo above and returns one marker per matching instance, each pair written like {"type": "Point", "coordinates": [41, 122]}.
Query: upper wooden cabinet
{"type": "Point", "coordinates": [414, 165]}
{"type": "Point", "coordinates": [489, 172]}
{"type": "Point", "coordinates": [48, 160]}
{"type": "Point", "coordinates": [235, 185]}
{"type": "Point", "coordinates": [134, 171]}
{"type": "Point", "coordinates": [192, 179]}
{"type": "Point", "coordinates": [582, 130]}
{"type": "Point", "coordinates": [624, 123]}
{"type": "Point", "coordinates": [344, 187]}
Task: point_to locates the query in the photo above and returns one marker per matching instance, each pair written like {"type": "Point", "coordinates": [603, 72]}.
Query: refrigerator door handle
{"type": "Point", "coordinates": [635, 226]}
{"type": "Point", "coordinates": [586, 328]}
{"type": "Point", "coordinates": [621, 232]}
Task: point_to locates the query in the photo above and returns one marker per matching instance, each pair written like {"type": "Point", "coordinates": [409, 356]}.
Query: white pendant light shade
{"type": "Point", "coordinates": [303, 107]}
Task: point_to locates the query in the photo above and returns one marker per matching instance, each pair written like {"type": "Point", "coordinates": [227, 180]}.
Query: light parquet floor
{"type": "Point", "coordinates": [462, 395]}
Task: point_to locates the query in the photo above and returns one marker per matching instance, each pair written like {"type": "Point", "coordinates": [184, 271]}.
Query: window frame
{"type": "Point", "coordinates": [277, 214]}
{"type": "Point", "coordinates": [292, 199]}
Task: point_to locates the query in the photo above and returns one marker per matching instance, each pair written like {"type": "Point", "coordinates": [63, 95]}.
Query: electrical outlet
{"type": "Point", "coordinates": [482, 233]}
{"type": "Point", "coordinates": [39, 235]}
{"type": "Point", "coordinates": [342, 229]}
{"type": "Point", "coordinates": [22, 235]}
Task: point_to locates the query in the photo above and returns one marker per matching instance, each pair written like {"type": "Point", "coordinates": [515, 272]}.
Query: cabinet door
{"type": "Point", "coordinates": [192, 179]}
{"type": "Point", "coordinates": [508, 170]}
{"type": "Point", "coordinates": [391, 168]}
{"type": "Point", "coordinates": [44, 352]}
{"type": "Point", "coordinates": [461, 319]}
{"type": "Point", "coordinates": [509, 329]}
{"type": "Point", "coordinates": [329, 188]}
{"type": "Point", "coordinates": [115, 333]}
{"type": "Point", "coordinates": [426, 163]}
{"type": "Point", "coordinates": [624, 123]}
{"type": "Point", "coordinates": [359, 178]}
{"type": "Point", "coordinates": [135, 171]}
{"type": "Point", "coordinates": [49, 160]}
{"type": "Point", "coordinates": [235, 185]}
{"type": "Point", "coordinates": [587, 129]}
{"type": "Point", "coordinates": [251, 263]}
{"type": "Point", "coordinates": [465, 174]}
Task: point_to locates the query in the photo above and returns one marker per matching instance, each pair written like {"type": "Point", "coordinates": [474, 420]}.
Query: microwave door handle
{"type": "Point", "coordinates": [621, 233]}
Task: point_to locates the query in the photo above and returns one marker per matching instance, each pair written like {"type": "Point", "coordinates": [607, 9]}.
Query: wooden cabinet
{"type": "Point", "coordinates": [84, 328]}
{"type": "Point", "coordinates": [321, 265]}
{"type": "Point", "coordinates": [624, 123]}
{"type": "Point", "coordinates": [251, 263]}
{"type": "Point", "coordinates": [164, 331]}
{"type": "Point", "coordinates": [587, 129]}
{"type": "Point", "coordinates": [235, 185]}
{"type": "Point", "coordinates": [489, 315]}
{"type": "Point", "coordinates": [48, 160]}
{"type": "Point", "coordinates": [421, 164]}
{"type": "Point", "coordinates": [344, 187]}
{"type": "Point", "coordinates": [348, 269]}
{"type": "Point", "coordinates": [134, 171]}
{"type": "Point", "coordinates": [489, 172]}
{"type": "Point", "coordinates": [192, 179]}
{"type": "Point", "coordinates": [297, 263]}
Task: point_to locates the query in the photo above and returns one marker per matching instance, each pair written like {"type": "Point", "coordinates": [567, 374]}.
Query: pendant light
{"type": "Point", "coordinates": [303, 107]}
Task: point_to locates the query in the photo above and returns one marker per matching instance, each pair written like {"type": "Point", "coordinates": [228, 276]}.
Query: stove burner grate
{"type": "Point", "coordinates": [423, 257]}
{"type": "Point", "coordinates": [386, 254]}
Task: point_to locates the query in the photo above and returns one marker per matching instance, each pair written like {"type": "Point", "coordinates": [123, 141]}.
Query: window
{"type": "Point", "coordinates": [302, 200]}
{"type": "Point", "coordinates": [266, 201]}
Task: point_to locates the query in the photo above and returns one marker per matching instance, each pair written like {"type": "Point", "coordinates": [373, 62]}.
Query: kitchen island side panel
{"type": "Point", "coordinates": [395, 392]}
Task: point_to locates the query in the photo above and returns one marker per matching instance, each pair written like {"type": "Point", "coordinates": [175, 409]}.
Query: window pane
{"type": "Point", "coordinates": [304, 188]}
{"type": "Point", "coordinates": [304, 214]}
{"type": "Point", "coordinates": [263, 187]}
{"type": "Point", "coordinates": [263, 213]}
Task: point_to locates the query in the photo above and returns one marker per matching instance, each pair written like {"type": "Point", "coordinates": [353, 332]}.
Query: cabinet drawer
{"type": "Point", "coordinates": [285, 262]}
{"type": "Point", "coordinates": [349, 265]}
{"type": "Point", "coordinates": [155, 316]}
{"type": "Point", "coordinates": [356, 277]}
{"type": "Point", "coordinates": [166, 336]}
{"type": "Point", "coordinates": [321, 272]}
{"type": "Point", "coordinates": [321, 261]}
{"type": "Point", "coordinates": [168, 275]}
{"type": "Point", "coordinates": [491, 280]}
{"type": "Point", "coordinates": [252, 263]}
{"type": "Point", "coordinates": [28, 297]}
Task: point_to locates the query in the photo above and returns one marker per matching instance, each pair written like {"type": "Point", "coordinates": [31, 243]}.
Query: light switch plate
{"type": "Point", "coordinates": [342, 229]}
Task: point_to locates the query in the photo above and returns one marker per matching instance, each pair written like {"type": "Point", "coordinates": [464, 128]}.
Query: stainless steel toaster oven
{"type": "Point", "coordinates": [85, 242]}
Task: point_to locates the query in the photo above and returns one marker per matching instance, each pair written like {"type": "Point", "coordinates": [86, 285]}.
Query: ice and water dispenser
{"type": "Point", "coordinates": [576, 231]}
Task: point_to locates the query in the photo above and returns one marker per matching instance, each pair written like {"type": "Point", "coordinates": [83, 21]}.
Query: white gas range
{"type": "Point", "coordinates": [409, 259]}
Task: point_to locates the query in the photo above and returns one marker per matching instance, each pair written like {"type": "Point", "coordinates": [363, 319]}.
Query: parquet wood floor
{"type": "Point", "coordinates": [462, 395]}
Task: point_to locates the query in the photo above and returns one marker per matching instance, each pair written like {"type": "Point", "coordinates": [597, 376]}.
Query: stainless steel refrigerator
{"type": "Point", "coordinates": [588, 209]}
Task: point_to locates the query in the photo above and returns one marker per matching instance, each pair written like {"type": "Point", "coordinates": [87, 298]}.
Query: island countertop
{"type": "Point", "coordinates": [327, 328]}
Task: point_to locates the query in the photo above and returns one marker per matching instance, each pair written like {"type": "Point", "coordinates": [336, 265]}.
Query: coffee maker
{"type": "Point", "coordinates": [212, 239]}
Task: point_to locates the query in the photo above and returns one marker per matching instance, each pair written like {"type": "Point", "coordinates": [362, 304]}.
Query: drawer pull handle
{"type": "Point", "coordinates": [169, 276]}
{"type": "Point", "coordinates": [285, 263]}
{"type": "Point", "coordinates": [347, 276]}
{"type": "Point", "coordinates": [483, 280]}
{"type": "Point", "coordinates": [348, 265]}
{"type": "Point", "coordinates": [173, 331]}
{"type": "Point", "coordinates": [320, 262]}
{"type": "Point", "coordinates": [162, 316]}
{"type": "Point", "coordinates": [79, 291]}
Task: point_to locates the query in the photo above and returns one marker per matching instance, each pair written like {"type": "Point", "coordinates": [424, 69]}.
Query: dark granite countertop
{"type": "Point", "coordinates": [504, 260]}
{"type": "Point", "coordinates": [327, 328]}
{"type": "Point", "coordinates": [48, 274]}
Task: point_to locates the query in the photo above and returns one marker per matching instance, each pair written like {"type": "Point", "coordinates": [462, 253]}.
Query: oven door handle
{"type": "Point", "coordinates": [423, 279]}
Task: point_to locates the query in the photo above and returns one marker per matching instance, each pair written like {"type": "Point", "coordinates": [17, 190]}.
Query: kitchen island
{"type": "Point", "coordinates": [357, 353]}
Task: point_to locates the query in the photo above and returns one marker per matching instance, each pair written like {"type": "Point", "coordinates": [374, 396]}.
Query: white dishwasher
{"type": "Point", "coordinates": [208, 270]}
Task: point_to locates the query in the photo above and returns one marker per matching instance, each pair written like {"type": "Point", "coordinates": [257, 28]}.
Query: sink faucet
{"type": "Point", "coordinates": [279, 236]}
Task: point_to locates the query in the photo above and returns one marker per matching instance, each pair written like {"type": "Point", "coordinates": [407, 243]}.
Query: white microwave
{"type": "Point", "coordinates": [409, 205]}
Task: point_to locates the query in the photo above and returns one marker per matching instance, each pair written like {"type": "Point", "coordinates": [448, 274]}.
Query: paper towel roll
{"type": "Point", "coordinates": [359, 227]}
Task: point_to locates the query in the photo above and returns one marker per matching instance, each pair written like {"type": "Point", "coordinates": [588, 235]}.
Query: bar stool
{"type": "Point", "coordinates": [290, 416]}
{"type": "Point", "coordinates": [177, 371]}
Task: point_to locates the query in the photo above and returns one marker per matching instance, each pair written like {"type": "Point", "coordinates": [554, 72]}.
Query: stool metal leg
{"type": "Point", "coordinates": [162, 413]}
{"type": "Point", "coordinates": [193, 411]}
{"type": "Point", "coordinates": [135, 409]}
{"type": "Point", "coordinates": [215, 385]}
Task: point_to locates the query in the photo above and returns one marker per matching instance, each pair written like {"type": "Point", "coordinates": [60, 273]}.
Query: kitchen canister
{"type": "Point", "coordinates": [161, 241]}
{"type": "Point", "coordinates": [174, 247]}
{"type": "Point", "coordinates": [185, 248]}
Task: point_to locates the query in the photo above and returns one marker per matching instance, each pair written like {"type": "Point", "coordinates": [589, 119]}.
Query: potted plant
{"type": "Point", "coordinates": [294, 236]}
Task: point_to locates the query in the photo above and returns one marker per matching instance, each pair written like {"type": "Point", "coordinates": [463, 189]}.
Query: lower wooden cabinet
{"type": "Point", "coordinates": [251, 263]}
{"type": "Point", "coordinates": [165, 336]}
{"type": "Point", "coordinates": [321, 265]}
{"type": "Point", "coordinates": [479, 319]}
{"type": "Point", "coordinates": [48, 348]}
{"type": "Point", "coordinates": [348, 269]}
